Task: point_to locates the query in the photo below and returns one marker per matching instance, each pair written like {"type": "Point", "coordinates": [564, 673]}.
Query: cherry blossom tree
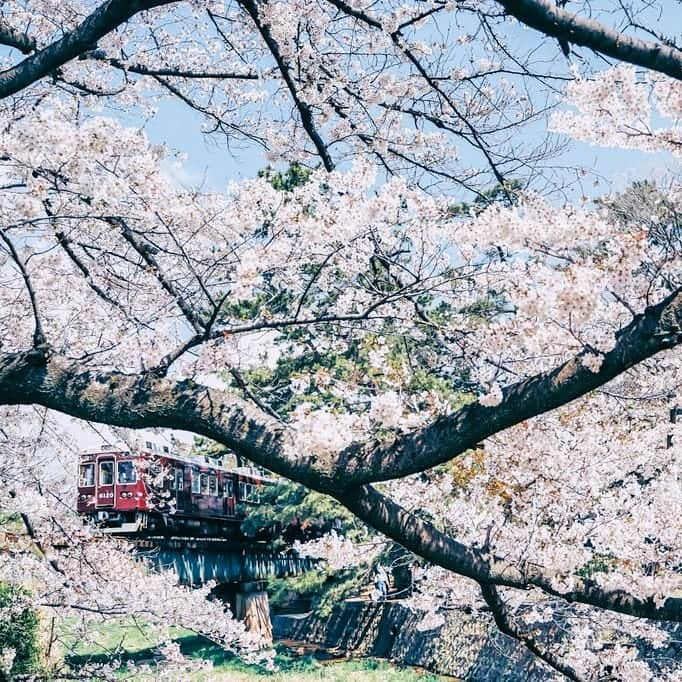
{"type": "Point", "coordinates": [508, 366]}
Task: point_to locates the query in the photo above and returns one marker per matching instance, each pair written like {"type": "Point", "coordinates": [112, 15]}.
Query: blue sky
{"type": "Point", "coordinates": [180, 128]}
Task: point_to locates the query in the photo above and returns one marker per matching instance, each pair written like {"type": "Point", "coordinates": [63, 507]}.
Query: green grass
{"type": "Point", "coordinates": [132, 638]}
{"type": "Point", "coordinates": [137, 645]}
{"type": "Point", "coordinates": [310, 670]}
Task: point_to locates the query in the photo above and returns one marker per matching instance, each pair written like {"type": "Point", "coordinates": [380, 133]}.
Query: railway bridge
{"type": "Point", "coordinates": [240, 569]}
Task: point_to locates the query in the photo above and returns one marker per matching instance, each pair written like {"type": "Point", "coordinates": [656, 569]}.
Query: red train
{"type": "Point", "coordinates": [142, 491]}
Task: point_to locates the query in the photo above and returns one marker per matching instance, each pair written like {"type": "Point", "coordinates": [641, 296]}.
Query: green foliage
{"type": "Point", "coordinates": [600, 563]}
{"type": "Point", "coordinates": [644, 204]}
{"type": "Point", "coordinates": [507, 195]}
{"type": "Point", "coordinates": [295, 513]}
{"type": "Point", "coordinates": [9, 517]}
{"type": "Point", "coordinates": [416, 364]}
{"type": "Point", "coordinates": [275, 301]}
{"type": "Point", "coordinates": [295, 176]}
{"type": "Point", "coordinates": [324, 588]}
{"type": "Point", "coordinates": [19, 629]}
{"type": "Point", "coordinates": [305, 513]}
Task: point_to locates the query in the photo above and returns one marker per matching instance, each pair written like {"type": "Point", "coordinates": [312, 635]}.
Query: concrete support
{"type": "Point", "coordinates": [251, 606]}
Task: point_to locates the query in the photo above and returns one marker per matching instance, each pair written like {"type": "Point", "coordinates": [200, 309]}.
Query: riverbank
{"type": "Point", "coordinates": [295, 661]}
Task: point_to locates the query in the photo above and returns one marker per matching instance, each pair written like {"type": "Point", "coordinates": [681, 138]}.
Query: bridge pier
{"type": "Point", "coordinates": [252, 607]}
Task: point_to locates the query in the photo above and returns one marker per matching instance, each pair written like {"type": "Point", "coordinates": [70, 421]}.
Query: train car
{"type": "Point", "coordinates": [142, 491]}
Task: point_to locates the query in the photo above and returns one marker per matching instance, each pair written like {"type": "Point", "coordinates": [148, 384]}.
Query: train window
{"type": "Point", "coordinates": [87, 475]}
{"type": "Point", "coordinates": [126, 472]}
{"type": "Point", "coordinates": [248, 492]}
{"type": "Point", "coordinates": [204, 484]}
{"type": "Point", "coordinates": [212, 485]}
{"type": "Point", "coordinates": [195, 482]}
{"type": "Point", "coordinates": [179, 479]}
{"type": "Point", "coordinates": [106, 473]}
{"type": "Point", "coordinates": [148, 445]}
{"type": "Point", "coordinates": [228, 490]}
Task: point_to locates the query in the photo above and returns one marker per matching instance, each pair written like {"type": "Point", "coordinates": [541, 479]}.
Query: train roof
{"type": "Point", "coordinates": [251, 472]}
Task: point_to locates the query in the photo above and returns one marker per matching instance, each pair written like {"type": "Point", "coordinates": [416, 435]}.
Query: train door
{"type": "Point", "coordinates": [228, 494]}
{"type": "Point", "coordinates": [179, 486]}
{"type": "Point", "coordinates": [106, 483]}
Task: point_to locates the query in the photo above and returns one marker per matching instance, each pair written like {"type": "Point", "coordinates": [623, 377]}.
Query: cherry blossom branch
{"type": "Point", "coordinates": [65, 243]}
{"type": "Point", "coordinates": [103, 20]}
{"type": "Point", "coordinates": [38, 334]}
{"type": "Point", "coordinates": [146, 253]}
{"type": "Point", "coordinates": [658, 328]}
{"type": "Point", "coordinates": [397, 39]}
{"type": "Point", "coordinates": [507, 625]}
{"type": "Point", "coordinates": [425, 540]}
{"type": "Point", "coordinates": [144, 400]}
{"type": "Point", "coordinates": [552, 20]}
{"type": "Point", "coordinates": [206, 111]}
{"type": "Point", "coordinates": [143, 70]}
{"type": "Point", "coordinates": [304, 109]}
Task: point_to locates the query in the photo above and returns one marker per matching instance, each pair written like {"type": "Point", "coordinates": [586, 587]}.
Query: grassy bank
{"type": "Point", "coordinates": [133, 643]}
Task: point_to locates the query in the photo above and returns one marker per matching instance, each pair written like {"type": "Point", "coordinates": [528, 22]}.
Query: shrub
{"type": "Point", "coordinates": [19, 627]}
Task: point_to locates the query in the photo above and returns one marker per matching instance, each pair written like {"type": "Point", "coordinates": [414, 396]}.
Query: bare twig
{"type": "Point", "coordinates": [38, 334]}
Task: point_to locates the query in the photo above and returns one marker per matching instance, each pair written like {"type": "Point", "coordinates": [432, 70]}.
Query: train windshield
{"type": "Point", "coordinates": [86, 475]}
{"type": "Point", "coordinates": [106, 473]}
{"type": "Point", "coordinates": [126, 472]}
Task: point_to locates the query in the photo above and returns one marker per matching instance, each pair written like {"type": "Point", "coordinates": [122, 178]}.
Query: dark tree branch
{"type": "Point", "coordinates": [304, 109]}
{"type": "Point", "coordinates": [427, 541]}
{"type": "Point", "coordinates": [103, 20]}
{"type": "Point", "coordinates": [507, 625]}
{"type": "Point", "coordinates": [658, 328]}
{"type": "Point", "coordinates": [67, 246]}
{"type": "Point", "coordinates": [52, 562]}
{"type": "Point", "coordinates": [146, 400]}
{"type": "Point", "coordinates": [137, 401]}
{"type": "Point", "coordinates": [143, 70]}
{"type": "Point", "coordinates": [546, 16]}
{"type": "Point", "coordinates": [246, 390]}
{"type": "Point", "coordinates": [12, 38]}
{"type": "Point", "coordinates": [38, 335]}
{"type": "Point", "coordinates": [147, 255]}
{"type": "Point", "coordinates": [220, 124]}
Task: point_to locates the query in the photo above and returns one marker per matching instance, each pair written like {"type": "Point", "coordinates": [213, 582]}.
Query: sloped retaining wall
{"type": "Point", "coordinates": [468, 646]}
{"type": "Point", "coordinates": [465, 647]}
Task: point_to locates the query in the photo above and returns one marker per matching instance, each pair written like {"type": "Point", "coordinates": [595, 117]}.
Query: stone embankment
{"type": "Point", "coordinates": [467, 646]}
